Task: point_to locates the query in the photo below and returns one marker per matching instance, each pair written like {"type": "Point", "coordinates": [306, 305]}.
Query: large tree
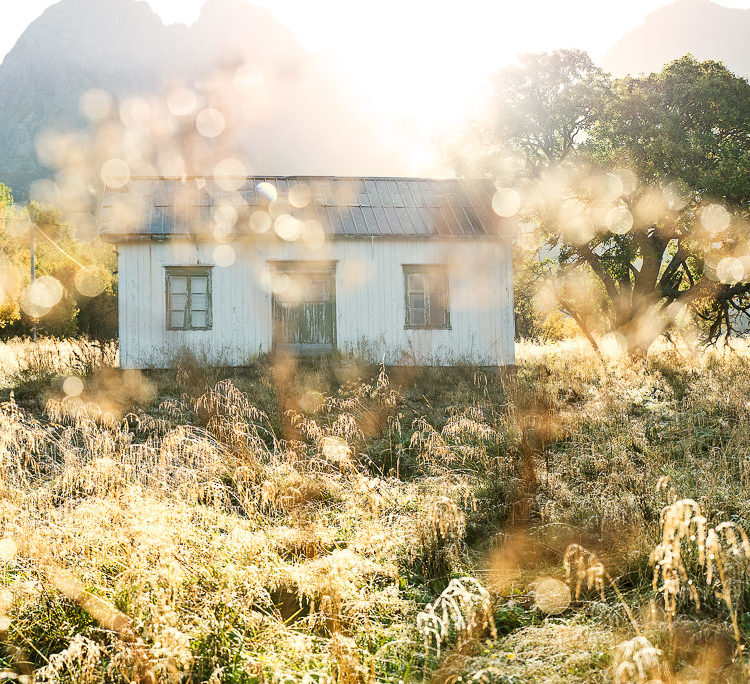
{"type": "Point", "coordinates": [640, 185]}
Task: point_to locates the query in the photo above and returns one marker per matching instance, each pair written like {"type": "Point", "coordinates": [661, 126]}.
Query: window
{"type": "Point", "coordinates": [427, 297]}
{"type": "Point", "coordinates": [304, 309]}
{"type": "Point", "coordinates": [188, 297]}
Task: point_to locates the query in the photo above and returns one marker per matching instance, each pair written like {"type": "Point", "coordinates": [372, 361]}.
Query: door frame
{"type": "Point", "coordinates": [311, 266]}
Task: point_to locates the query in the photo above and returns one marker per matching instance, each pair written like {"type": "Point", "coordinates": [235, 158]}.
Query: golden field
{"type": "Point", "coordinates": [576, 518]}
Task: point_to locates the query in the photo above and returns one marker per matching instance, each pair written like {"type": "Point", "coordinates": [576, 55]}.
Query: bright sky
{"type": "Point", "coordinates": [428, 56]}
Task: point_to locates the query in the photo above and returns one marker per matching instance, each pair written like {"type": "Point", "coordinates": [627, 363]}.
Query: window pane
{"type": "Point", "coordinates": [176, 319]}
{"type": "Point", "coordinates": [178, 284]}
{"type": "Point", "coordinates": [416, 282]}
{"type": "Point", "coordinates": [198, 302]}
{"type": "Point", "coordinates": [437, 282]}
{"type": "Point", "coordinates": [416, 301]}
{"type": "Point", "coordinates": [318, 290]}
{"type": "Point", "coordinates": [198, 284]}
{"type": "Point", "coordinates": [177, 302]}
{"type": "Point", "coordinates": [427, 296]}
{"type": "Point", "coordinates": [417, 317]}
{"type": "Point", "coordinates": [437, 300]}
{"type": "Point", "coordinates": [199, 319]}
{"type": "Point", "coordinates": [437, 313]}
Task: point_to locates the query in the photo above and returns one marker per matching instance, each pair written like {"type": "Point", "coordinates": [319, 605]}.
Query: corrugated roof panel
{"type": "Point", "coordinates": [332, 224]}
{"type": "Point", "coordinates": [347, 221]}
{"type": "Point", "coordinates": [363, 198]}
{"type": "Point", "coordinates": [371, 188]}
{"type": "Point", "coordinates": [383, 196]}
{"type": "Point", "coordinates": [481, 211]}
{"type": "Point", "coordinates": [282, 188]}
{"type": "Point", "coordinates": [428, 194]}
{"type": "Point", "coordinates": [410, 200]}
{"type": "Point", "coordinates": [368, 213]}
{"type": "Point", "coordinates": [457, 217]}
{"type": "Point", "coordinates": [344, 206]}
{"type": "Point", "coordinates": [384, 225]}
{"type": "Point", "coordinates": [397, 227]}
{"type": "Point", "coordinates": [395, 193]}
{"type": "Point", "coordinates": [360, 223]}
{"type": "Point", "coordinates": [418, 222]}
{"type": "Point", "coordinates": [326, 193]}
{"type": "Point", "coordinates": [441, 221]}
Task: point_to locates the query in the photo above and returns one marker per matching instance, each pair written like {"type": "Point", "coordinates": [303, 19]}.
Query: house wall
{"type": "Point", "coordinates": [370, 311]}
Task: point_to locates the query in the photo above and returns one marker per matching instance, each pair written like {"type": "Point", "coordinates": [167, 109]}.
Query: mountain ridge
{"type": "Point", "coordinates": [123, 47]}
{"type": "Point", "coordinates": [699, 27]}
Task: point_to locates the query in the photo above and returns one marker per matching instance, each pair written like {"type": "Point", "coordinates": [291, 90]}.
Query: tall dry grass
{"type": "Point", "coordinates": [370, 526]}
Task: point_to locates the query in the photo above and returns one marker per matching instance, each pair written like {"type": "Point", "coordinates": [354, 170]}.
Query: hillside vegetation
{"type": "Point", "coordinates": [577, 518]}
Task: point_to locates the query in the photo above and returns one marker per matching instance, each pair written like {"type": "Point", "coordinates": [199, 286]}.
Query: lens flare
{"type": "Point", "coordinates": [8, 549]}
{"type": "Point", "coordinates": [72, 386]}
{"type": "Point", "coordinates": [715, 218]}
{"type": "Point", "coordinates": [210, 123]}
{"type": "Point", "coordinates": [268, 190]}
{"type": "Point", "coordinates": [506, 202]}
{"type": "Point", "coordinates": [115, 173]}
{"type": "Point", "coordinates": [38, 298]}
{"type": "Point", "coordinates": [313, 234]}
{"type": "Point", "coordinates": [225, 217]}
{"type": "Point", "coordinates": [230, 174]}
{"type": "Point", "coordinates": [628, 181]}
{"type": "Point", "coordinates": [260, 221]}
{"type": "Point", "coordinates": [730, 270]}
{"type": "Point", "coordinates": [182, 101]}
{"type": "Point", "coordinates": [96, 104]}
{"type": "Point", "coordinates": [619, 220]}
{"type": "Point", "coordinates": [90, 281]}
{"type": "Point", "coordinates": [299, 195]}
{"type": "Point", "coordinates": [224, 255]}
{"type": "Point", "coordinates": [551, 596]}
{"type": "Point", "coordinates": [288, 228]}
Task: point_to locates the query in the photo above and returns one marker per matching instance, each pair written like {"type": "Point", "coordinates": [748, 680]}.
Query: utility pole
{"type": "Point", "coordinates": [33, 274]}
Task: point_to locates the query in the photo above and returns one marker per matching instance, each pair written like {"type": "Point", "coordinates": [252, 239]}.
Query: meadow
{"type": "Point", "coordinates": [578, 518]}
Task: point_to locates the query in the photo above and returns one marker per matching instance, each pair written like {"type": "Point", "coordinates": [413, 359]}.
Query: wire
{"type": "Point", "coordinates": [78, 263]}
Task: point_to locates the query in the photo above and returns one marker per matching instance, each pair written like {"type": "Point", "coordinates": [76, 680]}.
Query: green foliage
{"type": "Point", "coordinates": [690, 123]}
{"type": "Point", "coordinates": [634, 250]}
{"type": "Point", "coordinates": [528, 275]}
{"type": "Point", "coordinates": [6, 197]}
{"type": "Point", "coordinates": [85, 268]}
{"type": "Point", "coordinates": [510, 616]}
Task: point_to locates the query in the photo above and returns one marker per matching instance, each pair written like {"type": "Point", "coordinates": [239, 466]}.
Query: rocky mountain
{"type": "Point", "coordinates": [121, 46]}
{"type": "Point", "coordinates": [702, 28]}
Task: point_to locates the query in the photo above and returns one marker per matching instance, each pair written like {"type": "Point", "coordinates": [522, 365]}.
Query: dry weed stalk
{"type": "Point", "coordinates": [637, 660]}
{"type": "Point", "coordinates": [720, 557]}
{"type": "Point", "coordinates": [463, 610]}
{"type": "Point", "coordinates": [80, 660]}
{"type": "Point", "coordinates": [583, 565]}
{"type": "Point", "coordinates": [349, 668]}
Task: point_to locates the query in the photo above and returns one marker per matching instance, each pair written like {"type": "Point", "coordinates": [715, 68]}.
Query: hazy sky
{"type": "Point", "coordinates": [375, 46]}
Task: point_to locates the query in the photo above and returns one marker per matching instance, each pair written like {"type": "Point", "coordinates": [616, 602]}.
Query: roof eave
{"type": "Point", "coordinates": [151, 237]}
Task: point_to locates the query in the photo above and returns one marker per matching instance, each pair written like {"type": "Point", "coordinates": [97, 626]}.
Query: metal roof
{"type": "Point", "coordinates": [345, 207]}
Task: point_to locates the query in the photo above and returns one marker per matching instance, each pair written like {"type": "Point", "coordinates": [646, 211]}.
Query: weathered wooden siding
{"type": "Point", "coordinates": [370, 307]}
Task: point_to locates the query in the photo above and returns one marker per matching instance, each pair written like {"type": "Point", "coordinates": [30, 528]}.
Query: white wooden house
{"type": "Point", "coordinates": [394, 270]}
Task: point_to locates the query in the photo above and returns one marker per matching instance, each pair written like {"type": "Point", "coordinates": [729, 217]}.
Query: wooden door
{"type": "Point", "coordinates": [304, 311]}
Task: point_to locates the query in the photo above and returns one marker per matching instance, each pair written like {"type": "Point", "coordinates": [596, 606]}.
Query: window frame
{"type": "Point", "coordinates": [304, 267]}
{"type": "Point", "coordinates": [188, 272]}
{"type": "Point", "coordinates": [428, 270]}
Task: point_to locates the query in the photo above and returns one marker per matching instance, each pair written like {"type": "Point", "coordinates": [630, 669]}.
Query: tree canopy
{"type": "Point", "coordinates": [75, 283]}
{"type": "Point", "coordinates": [640, 186]}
